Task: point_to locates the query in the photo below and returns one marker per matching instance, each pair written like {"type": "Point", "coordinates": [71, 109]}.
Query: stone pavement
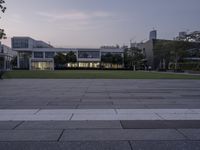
{"type": "Point", "coordinates": [99, 114]}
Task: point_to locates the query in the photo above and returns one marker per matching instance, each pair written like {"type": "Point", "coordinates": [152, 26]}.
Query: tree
{"type": "Point", "coordinates": [2, 9]}
{"type": "Point", "coordinates": [14, 61]}
{"type": "Point", "coordinates": [133, 58]}
{"type": "Point", "coordinates": [71, 57]}
{"type": "Point", "coordinates": [167, 52]}
{"type": "Point", "coordinates": [60, 60]}
{"type": "Point", "coordinates": [107, 58]}
{"type": "Point", "coordinates": [117, 59]}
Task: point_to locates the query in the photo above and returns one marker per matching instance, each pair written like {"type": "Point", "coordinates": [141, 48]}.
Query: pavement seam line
{"type": "Point", "coordinates": [160, 116]}
{"type": "Point", "coordinates": [37, 111]}
{"type": "Point", "coordinates": [60, 135]}
{"type": "Point", "coordinates": [121, 124]}
{"type": "Point", "coordinates": [18, 125]}
{"type": "Point", "coordinates": [116, 111]}
{"type": "Point", "coordinates": [182, 134]}
{"type": "Point", "coordinates": [129, 142]}
{"type": "Point", "coordinates": [71, 117]}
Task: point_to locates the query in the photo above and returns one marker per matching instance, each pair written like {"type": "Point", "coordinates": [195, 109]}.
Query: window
{"type": "Point", "coordinates": [20, 43]}
{"type": "Point", "coordinates": [88, 54]}
{"type": "Point", "coordinates": [42, 65]}
{"type": "Point", "coordinates": [24, 59]}
{"type": "Point", "coordinates": [38, 54]}
{"type": "Point", "coordinates": [49, 54]}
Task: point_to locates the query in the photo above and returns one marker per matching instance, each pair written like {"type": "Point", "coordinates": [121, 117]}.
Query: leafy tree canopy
{"type": "Point", "coordinates": [71, 57]}
{"type": "Point", "coordinates": [59, 59]}
{"type": "Point", "coordinates": [2, 9]}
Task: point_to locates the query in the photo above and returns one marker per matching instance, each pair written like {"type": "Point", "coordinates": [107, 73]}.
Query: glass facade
{"type": "Point", "coordinates": [88, 54]}
{"type": "Point", "coordinates": [111, 66]}
{"type": "Point", "coordinates": [38, 54]}
{"type": "Point", "coordinates": [20, 43]}
{"type": "Point", "coordinates": [113, 53]}
{"type": "Point", "coordinates": [72, 65]}
{"type": "Point", "coordinates": [24, 59]}
{"type": "Point", "coordinates": [49, 54]}
{"type": "Point", "coordinates": [42, 65]}
{"type": "Point", "coordinates": [89, 64]}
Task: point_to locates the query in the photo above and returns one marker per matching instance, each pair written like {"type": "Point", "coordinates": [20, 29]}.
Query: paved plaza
{"type": "Point", "coordinates": [99, 114]}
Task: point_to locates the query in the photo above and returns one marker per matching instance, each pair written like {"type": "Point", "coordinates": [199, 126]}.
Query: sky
{"type": "Point", "coordinates": [93, 23]}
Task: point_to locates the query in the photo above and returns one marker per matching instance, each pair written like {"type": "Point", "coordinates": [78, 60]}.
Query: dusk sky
{"type": "Point", "coordinates": [93, 23]}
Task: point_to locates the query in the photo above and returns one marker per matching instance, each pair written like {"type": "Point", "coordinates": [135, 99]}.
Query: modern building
{"type": "Point", "coordinates": [6, 56]}
{"type": "Point", "coordinates": [189, 37]}
{"type": "Point", "coordinates": [38, 55]}
{"type": "Point", "coordinates": [154, 51]}
{"type": "Point", "coordinates": [153, 35]}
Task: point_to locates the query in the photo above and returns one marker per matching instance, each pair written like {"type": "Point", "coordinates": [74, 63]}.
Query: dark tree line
{"type": "Point", "coordinates": [134, 59]}
{"type": "Point", "coordinates": [60, 60]}
{"type": "Point", "coordinates": [112, 59]}
{"type": "Point", "coordinates": [170, 54]}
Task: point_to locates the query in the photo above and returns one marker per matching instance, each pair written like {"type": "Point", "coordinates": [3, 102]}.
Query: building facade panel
{"type": "Point", "coordinates": [39, 55]}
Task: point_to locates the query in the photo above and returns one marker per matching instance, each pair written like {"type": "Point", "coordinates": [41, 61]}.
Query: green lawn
{"type": "Point", "coordinates": [94, 74]}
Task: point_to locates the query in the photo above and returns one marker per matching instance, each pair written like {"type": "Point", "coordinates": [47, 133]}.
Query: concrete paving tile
{"type": "Point", "coordinates": [160, 124]}
{"type": "Point", "coordinates": [62, 103]}
{"type": "Point", "coordinates": [34, 117]}
{"type": "Point", "coordinates": [141, 124]}
{"type": "Point", "coordinates": [8, 125]}
{"type": "Point", "coordinates": [29, 146]}
{"type": "Point", "coordinates": [59, 107]}
{"type": "Point", "coordinates": [121, 134]}
{"type": "Point", "coordinates": [192, 134]}
{"type": "Point", "coordinates": [24, 107]}
{"type": "Point", "coordinates": [180, 116]}
{"type": "Point", "coordinates": [196, 111]}
{"type": "Point", "coordinates": [76, 111]}
{"type": "Point", "coordinates": [96, 145]}
{"type": "Point", "coordinates": [52, 125]}
{"type": "Point", "coordinates": [165, 145]}
{"type": "Point", "coordinates": [130, 106]}
{"type": "Point", "coordinates": [95, 106]}
{"type": "Point", "coordinates": [170, 106]}
{"type": "Point", "coordinates": [183, 124]}
{"type": "Point", "coordinates": [20, 112]}
{"type": "Point", "coordinates": [151, 111]}
{"type": "Point", "coordinates": [115, 117]}
{"type": "Point", "coordinates": [104, 100]}
{"type": "Point", "coordinates": [29, 135]}
{"type": "Point", "coordinates": [96, 103]}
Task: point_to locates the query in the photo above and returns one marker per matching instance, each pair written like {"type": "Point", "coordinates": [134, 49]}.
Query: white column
{"type": "Point", "coordinates": [30, 68]}
{"type": "Point", "coordinates": [5, 64]}
{"type": "Point", "coordinates": [18, 65]}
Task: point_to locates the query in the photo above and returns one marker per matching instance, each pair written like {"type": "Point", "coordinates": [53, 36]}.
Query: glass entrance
{"type": "Point", "coordinates": [42, 65]}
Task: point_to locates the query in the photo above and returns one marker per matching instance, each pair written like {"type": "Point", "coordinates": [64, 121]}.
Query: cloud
{"type": "Point", "coordinates": [15, 18]}
{"type": "Point", "coordinates": [77, 20]}
{"type": "Point", "coordinates": [74, 15]}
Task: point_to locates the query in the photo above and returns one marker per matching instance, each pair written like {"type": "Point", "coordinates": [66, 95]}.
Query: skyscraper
{"type": "Point", "coordinates": [153, 35]}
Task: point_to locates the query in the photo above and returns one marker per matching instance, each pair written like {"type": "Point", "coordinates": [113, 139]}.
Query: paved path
{"type": "Point", "coordinates": [99, 94]}
{"type": "Point", "coordinates": [100, 114]}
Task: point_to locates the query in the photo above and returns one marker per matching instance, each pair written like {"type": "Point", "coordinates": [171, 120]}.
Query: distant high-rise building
{"type": "Point", "coordinates": [153, 35]}
{"type": "Point", "coordinates": [190, 37]}
{"type": "Point", "coordinates": [182, 34]}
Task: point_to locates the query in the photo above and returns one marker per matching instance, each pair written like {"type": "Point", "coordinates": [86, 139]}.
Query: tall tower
{"type": "Point", "coordinates": [153, 35]}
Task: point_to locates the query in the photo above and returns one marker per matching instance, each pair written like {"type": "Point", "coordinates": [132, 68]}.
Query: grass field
{"type": "Point", "coordinates": [94, 74]}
